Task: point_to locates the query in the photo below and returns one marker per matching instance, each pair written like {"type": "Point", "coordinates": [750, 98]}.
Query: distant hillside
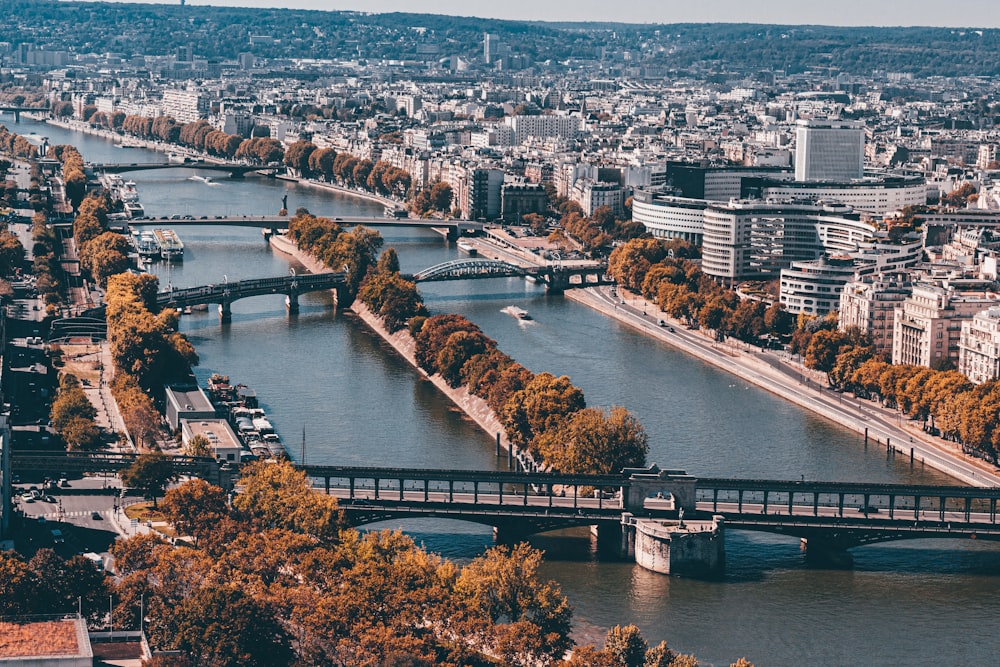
{"type": "Point", "coordinates": [224, 32]}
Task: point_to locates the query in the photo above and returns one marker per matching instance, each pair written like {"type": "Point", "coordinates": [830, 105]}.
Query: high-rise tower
{"type": "Point", "coordinates": [829, 150]}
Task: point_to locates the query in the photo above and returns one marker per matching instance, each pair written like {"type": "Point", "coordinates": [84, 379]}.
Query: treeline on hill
{"type": "Point", "coordinates": [224, 32]}
{"type": "Point", "coordinates": [274, 579]}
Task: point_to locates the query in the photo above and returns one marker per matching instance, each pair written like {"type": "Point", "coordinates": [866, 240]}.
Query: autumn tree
{"type": "Point", "coordinates": [626, 645]}
{"type": "Point", "coordinates": [503, 585]}
{"type": "Point", "coordinates": [278, 495]}
{"type": "Point", "coordinates": [194, 507]}
{"type": "Point", "coordinates": [591, 441]}
{"type": "Point", "coordinates": [629, 263]}
{"type": "Point", "coordinates": [221, 626]}
{"type": "Point", "coordinates": [543, 405]}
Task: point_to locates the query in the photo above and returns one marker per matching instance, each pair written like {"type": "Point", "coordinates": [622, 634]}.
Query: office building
{"type": "Point", "coordinates": [829, 150]}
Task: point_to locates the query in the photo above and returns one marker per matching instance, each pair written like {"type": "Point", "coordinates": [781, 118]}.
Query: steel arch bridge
{"type": "Point", "coordinates": [463, 269]}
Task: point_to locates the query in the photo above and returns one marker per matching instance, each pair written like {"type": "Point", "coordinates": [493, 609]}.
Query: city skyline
{"type": "Point", "coordinates": [961, 13]}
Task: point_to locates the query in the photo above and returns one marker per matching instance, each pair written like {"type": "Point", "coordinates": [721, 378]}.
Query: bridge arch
{"type": "Point", "coordinates": [462, 269]}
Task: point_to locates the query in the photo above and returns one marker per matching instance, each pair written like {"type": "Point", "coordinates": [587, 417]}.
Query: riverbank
{"type": "Point", "coordinates": [794, 383]}
{"type": "Point", "coordinates": [333, 187]}
{"type": "Point", "coordinates": [474, 407]}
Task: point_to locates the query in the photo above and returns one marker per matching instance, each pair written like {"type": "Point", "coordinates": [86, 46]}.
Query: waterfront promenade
{"type": "Point", "coordinates": [777, 373]}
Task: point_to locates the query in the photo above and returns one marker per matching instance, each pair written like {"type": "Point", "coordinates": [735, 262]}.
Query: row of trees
{"type": "Point", "coordinates": [102, 253]}
{"type": "Point", "coordinates": [46, 268]}
{"type": "Point", "coordinates": [199, 135]}
{"type": "Point", "coordinates": [146, 349]}
{"type": "Point", "coordinates": [664, 273]}
{"type": "Point", "coordinates": [433, 197]}
{"type": "Point", "coordinates": [15, 145]}
{"type": "Point", "coordinates": [353, 252]}
{"type": "Point", "coordinates": [544, 414]}
{"type": "Point", "coordinates": [73, 415]}
{"type": "Point", "coordinates": [310, 161]}
{"type": "Point", "coordinates": [74, 178]}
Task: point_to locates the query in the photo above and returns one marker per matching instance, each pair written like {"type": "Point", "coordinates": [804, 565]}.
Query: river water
{"type": "Point", "coordinates": [337, 393]}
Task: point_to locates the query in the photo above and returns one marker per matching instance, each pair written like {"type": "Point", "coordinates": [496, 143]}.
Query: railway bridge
{"type": "Point", "coordinates": [226, 292]}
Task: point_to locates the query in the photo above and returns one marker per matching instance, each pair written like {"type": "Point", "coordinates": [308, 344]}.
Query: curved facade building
{"type": "Point", "coordinates": [668, 217]}
{"type": "Point", "coordinates": [753, 239]}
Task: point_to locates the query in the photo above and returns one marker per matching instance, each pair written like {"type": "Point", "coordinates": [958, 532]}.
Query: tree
{"type": "Point", "coordinates": [459, 349]}
{"type": "Point", "coordinates": [660, 656]}
{"type": "Point", "coordinates": [440, 196]}
{"type": "Point", "coordinates": [195, 507]}
{"type": "Point", "coordinates": [198, 446]}
{"type": "Point", "coordinates": [543, 405]}
{"type": "Point", "coordinates": [71, 404]}
{"type": "Point", "coordinates": [150, 473]}
{"type": "Point", "coordinates": [277, 495]}
{"type": "Point", "coordinates": [626, 645]}
{"type": "Point", "coordinates": [503, 586]}
{"type": "Point", "coordinates": [592, 442]}
{"type": "Point", "coordinates": [221, 626]}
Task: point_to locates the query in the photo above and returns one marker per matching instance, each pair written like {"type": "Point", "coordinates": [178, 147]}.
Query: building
{"type": "Point", "coordinates": [46, 643]}
{"type": "Point", "coordinates": [221, 438]}
{"type": "Point", "coordinates": [668, 217]}
{"type": "Point", "coordinates": [184, 106]}
{"type": "Point", "coordinates": [979, 347]}
{"type": "Point", "coordinates": [544, 126]}
{"type": "Point", "coordinates": [520, 199]}
{"type": "Point", "coordinates": [878, 195]}
{"type": "Point", "coordinates": [829, 150]}
{"type": "Point", "coordinates": [189, 403]}
{"type": "Point", "coordinates": [814, 287]}
{"type": "Point", "coordinates": [591, 195]}
{"type": "Point", "coordinates": [868, 302]}
{"type": "Point", "coordinates": [927, 325]}
{"type": "Point", "coordinates": [754, 240]}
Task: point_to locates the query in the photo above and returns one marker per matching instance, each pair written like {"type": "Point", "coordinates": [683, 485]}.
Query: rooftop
{"type": "Point", "coordinates": [65, 638]}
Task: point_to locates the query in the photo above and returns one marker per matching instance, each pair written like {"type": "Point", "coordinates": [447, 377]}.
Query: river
{"type": "Point", "coordinates": [336, 391]}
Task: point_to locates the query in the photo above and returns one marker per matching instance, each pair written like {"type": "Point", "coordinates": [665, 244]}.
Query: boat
{"type": "Point", "coordinates": [468, 248]}
{"type": "Point", "coordinates": [204, 179]}
{"type": "Point", "coordinates": [171, 247]}
{"type": "Point", "coordinates": [146, 245]}
{"type": "Point", "coordinates": [519, 313]}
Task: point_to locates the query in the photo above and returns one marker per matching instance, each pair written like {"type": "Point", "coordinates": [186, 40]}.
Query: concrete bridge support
{"type": "Point", "coordinates": [827, 552]}
{"type": "Point", "coordinates": [226, 312]}
{"type": "Point", "coordinates": [695, 548]}
{"type": "Point", "coordinates": [292, 302]}
{"type": "Point", "coordinates": [615, 540]}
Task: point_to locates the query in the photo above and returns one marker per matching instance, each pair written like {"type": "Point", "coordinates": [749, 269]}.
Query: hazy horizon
{"type": "Point", "coordinates": [848, 13]}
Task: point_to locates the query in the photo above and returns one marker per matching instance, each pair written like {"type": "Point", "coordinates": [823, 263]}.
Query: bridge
{"type": "Point", "coordinates": [555, 277]}
{"type": "Point", "coordinates": [225, 293]}
{"type": "Point", "coordinates": [236, 170]}
{"type": "Point", "coordinates": [453, 228]}
{"type": "Point", "coordinates": [642, 511]}
{"type": "Point", "coordinates": [17, 111]}
{"type": "Point", "coordinates": [78, 463]}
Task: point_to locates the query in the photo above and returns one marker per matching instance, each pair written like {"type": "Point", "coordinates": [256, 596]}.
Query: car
{"type": "Point", "coordinates": [49, 499]}
{"type": "Point", "coordinates": [96, 516]}
{"type": "Point", "coordinates": [662, 323]}
{"type": "Point", "coordinates": [671, 329]}
{"type": "Point", "coordinates": [27, 498]}
{"type": "Point", "coordinates": [63, 481]}
{"type": "Point", "coordinates": [870, 509]}
{"type": "Point", "coordinates": [42, 519]}
{"type": "Point", "coordinates": [57, 536]}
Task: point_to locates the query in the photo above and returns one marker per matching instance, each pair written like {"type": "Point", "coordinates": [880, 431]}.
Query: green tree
{"type": "Point", "coordinates": [150, 473]}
